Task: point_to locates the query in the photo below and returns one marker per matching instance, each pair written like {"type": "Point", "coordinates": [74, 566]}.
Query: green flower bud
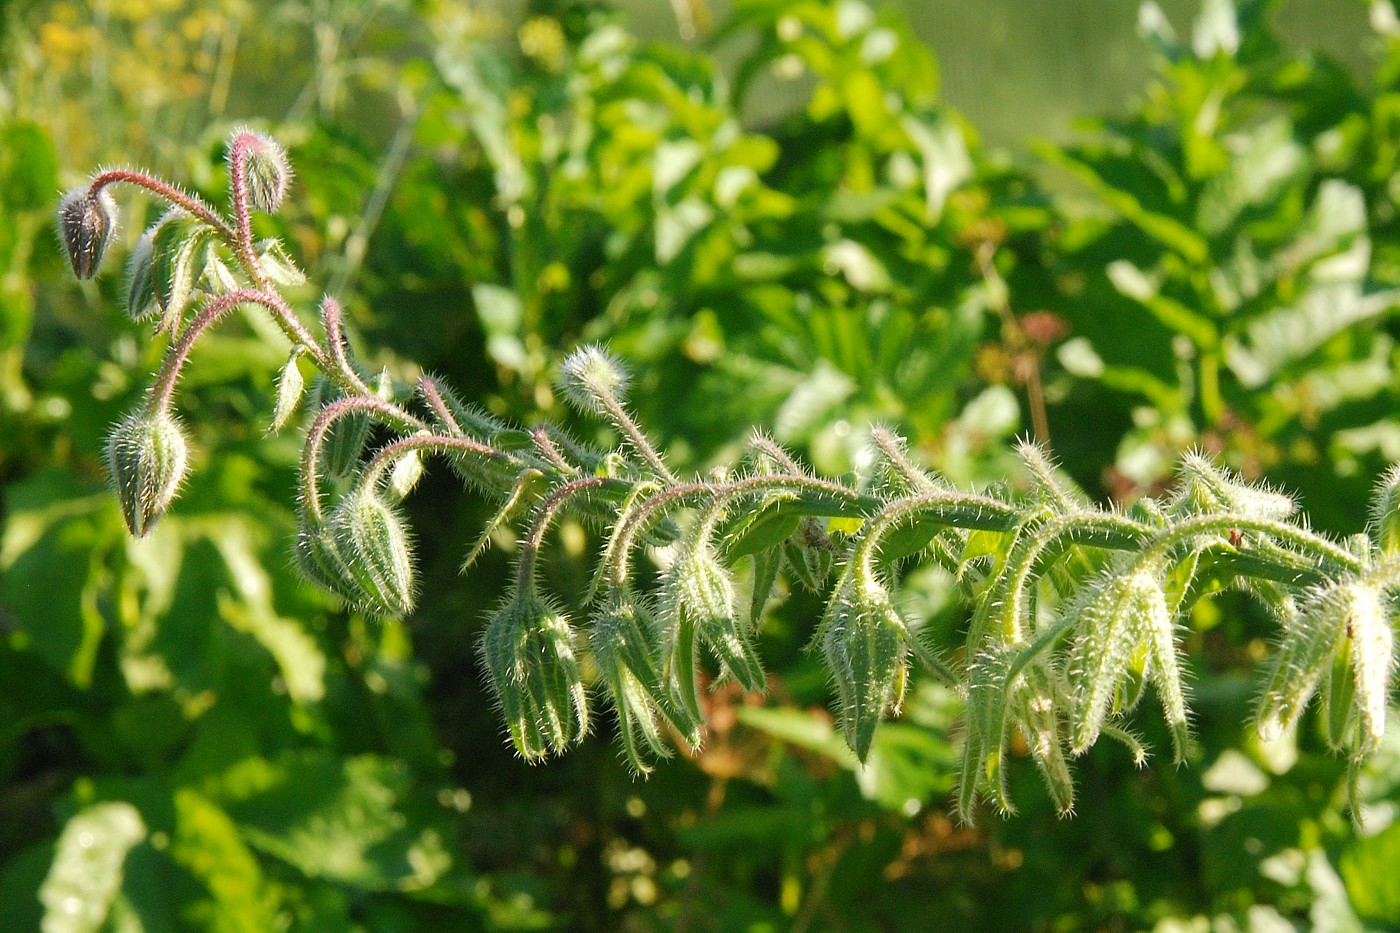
{"type": "Point", "coordinates": [1343, 642]}
{"type": "Point", "coordinates": [147, 457]}
{"type": "Point", "coordinates": [528, 653]}
{"type": "Point", "coordinates": [1205, 487]}
{"type": "Point", "coordinates": [626, 647]}
{"type": "Point", "coordinates": [592, 380]}
{"type": "Point", "coordinates": [698, 601]}
{"type": "Point", "coordinates": [319, 558]}
{"type": "Point", "coordinates": [86, 224]}
{"type": "Point", "coordinates": [1032, 703]}
{"type": "Point", "coordinates": [862, 639]}
{"type": "Point", "coordinates": [1385, 512]}
{"type": "Point", "coordinates": [1117, 615]}
{"type": "Point", "coordinates": [267, 173]}
{"type": "Point", "coordinates": [375, 546]}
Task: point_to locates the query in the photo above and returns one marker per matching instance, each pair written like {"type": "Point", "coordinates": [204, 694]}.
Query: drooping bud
{"type": "Point", "coordinates": [374, 543]}
{"type": "Point", "coordinates": [592, 379]}
{"type": "Point", "coordinates": [1206, 487]}
{"type": "Point", "coordinates": [267, 173]}
{"type": "Point", "coordinates": [147, 456]}
{"type": "Point", "coordinates": [1118, 612]}
{"type": "Point", "coordinates": [86, 224]}
{"type": "Point", "coordinates": [1385, 512]}
{"type": "Point", "coordinates": [862, 639]}
{"type": "Point", "coordinates": [319, 558]}
{"type": "Point", "coordinates": [1032, 705]}
{"type": "Point", "coordinates": [698, 605]}
{"type": "Point", "coordinates": [528, 653]}
{"type": "Point", "coordinates": [627, 649]}
{"type": "Point", "coordinates": [1342, 640]}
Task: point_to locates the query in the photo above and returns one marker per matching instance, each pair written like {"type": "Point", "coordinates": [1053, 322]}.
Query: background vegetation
{"type": "Point", "coordinates": [776, 224]}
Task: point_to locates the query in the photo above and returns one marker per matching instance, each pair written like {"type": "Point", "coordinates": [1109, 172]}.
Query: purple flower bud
{"type": "Point", "coordinates": [86, 223]}
{"type": "Point", "coordinates": [267, 173]}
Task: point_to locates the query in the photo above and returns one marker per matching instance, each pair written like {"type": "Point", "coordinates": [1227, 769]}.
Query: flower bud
{"type": "Point", "coordinates": [1205, 487]}
{"type": "Point", "coordinates": [862, 639]}
{"type": "Point", "coordinates": [1385, 512]}
{"type": "Point", "coordinates": [374, 543]}
{"type": "Point", "coordinates": [267, 173]}
{"type": "Point", "coordinates": [528, 654]}
{"type": "Point", "coordinates": [626, 648]}
{"type": "Point", "coordinates": [319, 558]}
{"type": "Point", "coordinates": [86, 224]}
{"type": "Point", "coordinates": [698, 601]}
{"type": "Point", "coordinates": [592, 379]}
{"type": "Point", "coordinates": [1119, 613]}
{"type": "Point", "coordinates": [147, 456]}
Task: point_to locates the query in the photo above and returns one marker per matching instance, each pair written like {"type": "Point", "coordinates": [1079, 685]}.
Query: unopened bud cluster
{"type": "Point", "coordinates": [1077, 610]}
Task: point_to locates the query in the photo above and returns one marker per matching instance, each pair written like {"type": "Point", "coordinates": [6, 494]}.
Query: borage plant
{"type": "Point", "coordinates": [1076, 607]}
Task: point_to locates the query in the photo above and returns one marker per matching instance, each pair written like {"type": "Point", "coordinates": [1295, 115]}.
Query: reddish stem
{"type": "Point", "coordinates": [172, 194]}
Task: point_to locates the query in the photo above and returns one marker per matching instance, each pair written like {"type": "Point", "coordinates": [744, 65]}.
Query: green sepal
{"type": "Point", "coordinates": [528, 653]}
{"type": "Point", "coordinates": [374, 542]}
{"type": "Point", "coordinates": [698, 604]}
{"type": "Point", "coordinates": [147, 456]}
{"type": "Point", "coordinates": [863, 641]}
{"type": "Point", "coordinates": [291, 385]}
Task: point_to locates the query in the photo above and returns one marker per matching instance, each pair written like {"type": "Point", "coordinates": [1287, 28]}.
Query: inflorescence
{"type": "Point", "coordinates": [1077, 609]}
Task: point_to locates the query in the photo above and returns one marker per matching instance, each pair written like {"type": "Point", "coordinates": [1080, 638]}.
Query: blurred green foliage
{"type": "Point", "coordinates": [190, 738]}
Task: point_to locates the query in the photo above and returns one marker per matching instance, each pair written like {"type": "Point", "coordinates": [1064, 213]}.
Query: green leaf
{"type": "Point", "coordinates": [207, 844]}
{"type": "Point", "coordinates": [760, 529]}
{"type": "Point", "coordinates": [1166, 230]}
{"type": "Point", "coordinates": [87, 867]}
{"type": "Point", "coordinates": [1368, 867]}
{"type": "Point", "coordinates": [53, 554]}
{"type": "Point", "coordinates": [298, 658]}
{"type": "Point", "coordinates": [347, 820]}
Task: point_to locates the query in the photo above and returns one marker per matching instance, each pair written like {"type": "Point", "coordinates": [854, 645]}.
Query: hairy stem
{"type": "Point", "coordinates": [188, 202]}
{"type": "Point", "coordinates": [534, 539]}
